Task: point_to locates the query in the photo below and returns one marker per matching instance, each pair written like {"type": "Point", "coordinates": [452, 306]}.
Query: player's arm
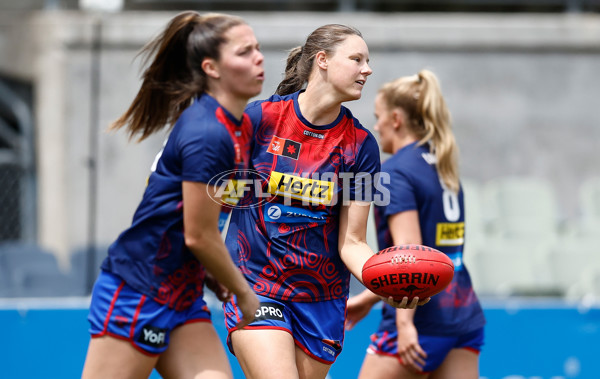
{"type": "Point", "coordinates": [353, 246]}
{"type": "Point", "coordinates": [203, 238]}
{"type": "Point", "coordinates": [405, 229]}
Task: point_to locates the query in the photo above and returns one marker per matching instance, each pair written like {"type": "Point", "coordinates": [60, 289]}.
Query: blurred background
{"type": "Point", "coordinates": [521, 78]}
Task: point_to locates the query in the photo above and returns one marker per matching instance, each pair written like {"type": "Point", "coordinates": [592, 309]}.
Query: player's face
{"type": "Point", "coordinates": [348, 68]}
{"type": "Point", "coordinates": [384, 125]}
{"type": "Point", "coordinates": [241, 63]}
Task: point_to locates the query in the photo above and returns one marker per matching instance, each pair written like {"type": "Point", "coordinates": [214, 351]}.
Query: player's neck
{"type": "Point", "coordinates": [403, 141]}
{"type": "Point", "coordinates": [233, 104]}
{"type": "Point", "coordinates": [318, 110]}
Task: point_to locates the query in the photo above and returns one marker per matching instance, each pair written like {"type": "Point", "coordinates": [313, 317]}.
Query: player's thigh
{"type": "Point", "coordinates": [109, 357]}
{"type": "Point", "coordinates": [195, 351]}
{"type": "Point", "coordinates": [310, 368]}
{"type": "Point", "coordinates": [459, 364]}
{"type": "Point", "coordinates": [378, 366]}
{"type": "Point", "coordinates": [265, 353]}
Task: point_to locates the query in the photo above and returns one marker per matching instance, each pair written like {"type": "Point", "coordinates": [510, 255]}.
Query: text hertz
{"type": "Point", "coordinates": [313, 190]}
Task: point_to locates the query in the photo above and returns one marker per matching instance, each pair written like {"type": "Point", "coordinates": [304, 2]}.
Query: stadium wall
{"type": "Point", "coordinates": [523, 91]}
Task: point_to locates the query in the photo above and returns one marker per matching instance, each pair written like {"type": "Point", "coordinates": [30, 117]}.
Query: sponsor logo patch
{"type": "Point", "coordinates": [269, 311]}
{"type": "Point", "coordinates": [299, 188]}
{"type": "Point", "coordinates": [450, 234]}
{"type": "Point", "coordinates": [152, 336]}
{"type": "Point", "coordinates": [287, 214]}
{"type": "Point", "coordinates": [284, 147]}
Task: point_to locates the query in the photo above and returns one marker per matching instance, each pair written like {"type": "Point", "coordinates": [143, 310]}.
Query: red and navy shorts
{"type": "Point", "coordinates": [436, 347]}
{"type": "Point", "coordinates": [317, 327]}
{"type": "Point", "coordinates": [119, 311]}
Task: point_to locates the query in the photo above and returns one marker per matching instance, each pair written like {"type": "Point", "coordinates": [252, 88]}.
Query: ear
{"type": "Point", "coordinates": [397, 118]}
{"type": "Point", "coordinates": [321, 60]}
{"type": "Point", "coordinates": [210, 68]}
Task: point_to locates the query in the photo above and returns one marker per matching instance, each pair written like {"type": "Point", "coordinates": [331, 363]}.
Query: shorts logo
{"type": "Point", "coordinates": [450, 234]}
{"type": "Point", "coordinates": [269, 311]}
{"type": "Point", "coordinates": [285, 147]}
{"type": "Point", "coordinates": [152, 336]}
{"type": "Point", "coordinates": [299, 188]}
{"type": "Point", "coordinates": [333, 343]}
{"type": "Point", "coordinates": [331, 346]}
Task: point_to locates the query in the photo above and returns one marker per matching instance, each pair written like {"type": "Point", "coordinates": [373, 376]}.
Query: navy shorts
{"type": "Point", "coordinates": [119, 311]}
{"type": "Point", "coordinates": [436, 347]}
{"type": "Point", "coordinates": [317, 327]}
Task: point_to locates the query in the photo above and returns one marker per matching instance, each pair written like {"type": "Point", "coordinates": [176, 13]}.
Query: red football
{"type": "Point", "coordinates": [408, 270]}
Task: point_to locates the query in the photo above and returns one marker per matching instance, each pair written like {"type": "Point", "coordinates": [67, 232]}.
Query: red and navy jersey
{"type": "Point", "coordinates": [284, 237]}
{"type": "Point", "coordinates": [151, 256]}
{"type": "Point", "coordinates": [415, 185]}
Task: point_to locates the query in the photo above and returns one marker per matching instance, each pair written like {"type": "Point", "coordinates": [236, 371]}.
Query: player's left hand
{"type": "Point", "coordinates": [404, 303]}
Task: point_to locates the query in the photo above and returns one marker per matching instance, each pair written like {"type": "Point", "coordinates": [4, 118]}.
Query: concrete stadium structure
{"type": "Point", "coordinates": [524, 91]}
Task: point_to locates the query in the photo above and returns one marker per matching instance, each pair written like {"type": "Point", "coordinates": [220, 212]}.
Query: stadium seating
{"type": "Point", "coordinates": [514, 246]}
{"type": "Point", "coordinates": [79, 267]}
{"type": "Point", "coordinates": [522, 207]}
{"type": "Point", "coordinates": [475, 224]}
{"type": "Point", "coordinates": [589, 207]}
{"type": "Point", "coordinates": [572, 258]}
{"type": "Point", "coordinates": [513, 267]}
{"type": "Point", "coordinates": [31, 271]}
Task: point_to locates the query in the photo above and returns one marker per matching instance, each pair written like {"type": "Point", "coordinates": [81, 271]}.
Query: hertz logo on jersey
{"type": "Point", "coordinates": [299, 188]}
{"type": "Point", "coordinates": [450, 234]}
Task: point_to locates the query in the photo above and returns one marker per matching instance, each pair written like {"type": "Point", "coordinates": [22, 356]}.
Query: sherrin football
{"type": "Point", "coordinates": [408, 270]}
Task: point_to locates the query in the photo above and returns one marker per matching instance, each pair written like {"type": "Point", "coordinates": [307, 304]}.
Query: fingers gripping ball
{"type": "Point", "coordinates": [408, 270]}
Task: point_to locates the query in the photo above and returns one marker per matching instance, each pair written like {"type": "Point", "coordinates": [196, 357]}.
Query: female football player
{"type": "Point", "coordinates": [298, 248]}
{"type": "Point", "coordinates": [147, 309]}
{"type": "Point", "coordinates": [443, 338]}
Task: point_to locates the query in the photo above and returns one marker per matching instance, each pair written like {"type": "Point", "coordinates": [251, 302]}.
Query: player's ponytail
{"type": "Point", "coordinates": [428, 118]}
{"type": "Point", "coordinates": [294, 78]}
{"type": "Point", "coordinates": [174, 76]}
{"type": "Point", "coordinates": [300, 59]}
{"type": "Point", "coordinates": [438, 128]}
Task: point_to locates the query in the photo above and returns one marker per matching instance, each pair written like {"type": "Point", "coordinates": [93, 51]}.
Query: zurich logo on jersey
{"type": "Point", "coordinates": [286, 214]}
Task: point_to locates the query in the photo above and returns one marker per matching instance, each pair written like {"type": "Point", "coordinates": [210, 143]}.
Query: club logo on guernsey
{"type": "Point", "coordinates": [299, 188]}
{"type": "Point", "coordinates": [152, 336]}
{"type": "Point", "coordinates": [284, 147]}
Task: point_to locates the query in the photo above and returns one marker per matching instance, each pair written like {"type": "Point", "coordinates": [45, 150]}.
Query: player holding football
{"type": "Point", "coordinates": [147, 309]}
{"type": "Point", "coordinates": [298, 249]}
{"type": "Point", "coordinates": [443, 338]}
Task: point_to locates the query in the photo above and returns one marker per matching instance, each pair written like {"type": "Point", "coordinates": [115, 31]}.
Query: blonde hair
{"type": "Point", "coordinates": [428, 118]}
